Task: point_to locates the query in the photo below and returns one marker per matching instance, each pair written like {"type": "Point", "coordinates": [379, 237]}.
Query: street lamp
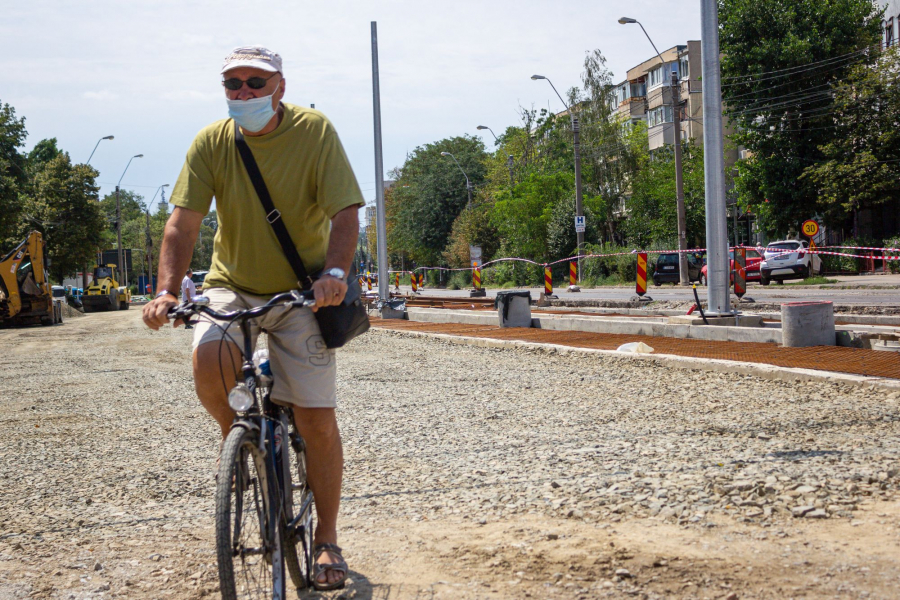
{"type": "Point", "coordinates": [468, 185]}
{"type": "Point", "coordinates": [579, 209]}
{"type": "Point", "coordinates": [119, 217]}
{"type": "Point", "coordinates": [149, 239]}
{"type": "Point", "coordinates": [483, 127]}
{"type": "Point", "coordinates": [509, 159]}
{"type": "Point", "coordinates": [109, 137]}
{"type": "Point", "coordinates": [683, 274]}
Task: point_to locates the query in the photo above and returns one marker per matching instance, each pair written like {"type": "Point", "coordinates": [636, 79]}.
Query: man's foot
{"type": "Point", "coordinates": [330, 569]}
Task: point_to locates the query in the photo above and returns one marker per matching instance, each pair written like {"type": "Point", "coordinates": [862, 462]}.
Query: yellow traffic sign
{"type": "Point", "coordinates": [810, 228]}
{"type": "Point", "coordinates": [812, 245]}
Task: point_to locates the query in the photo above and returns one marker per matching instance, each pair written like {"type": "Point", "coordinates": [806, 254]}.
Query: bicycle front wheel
{"type": "Point", "coordinates": [248, 544]}
{"type": "Point", "coordinates": [297, 529]}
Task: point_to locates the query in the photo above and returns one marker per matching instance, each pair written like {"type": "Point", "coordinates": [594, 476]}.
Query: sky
{"type": "Point", "coordinates": [148, 72]}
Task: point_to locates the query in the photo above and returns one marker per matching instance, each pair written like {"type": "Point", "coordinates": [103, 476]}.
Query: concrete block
{"type": "Point", "coordinates": [741, 321]}
{"type": "Point", "coordinates": [807, 324]}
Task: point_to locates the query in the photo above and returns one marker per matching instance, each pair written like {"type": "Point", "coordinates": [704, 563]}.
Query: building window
{"type": "Point", "coordinates": [684, 71]}
{"type": "Point", "coordinates": [889, 33]}
{"type": "Point", "coordinates": [659, 116]}
{"type": "Point", "coordinates": [638, 90]}
{"type": "Point", "coordinates": [657, 76]}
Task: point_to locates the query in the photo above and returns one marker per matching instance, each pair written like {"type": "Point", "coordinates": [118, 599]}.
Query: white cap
{"type": "Point", "coordinates": [256, 57]}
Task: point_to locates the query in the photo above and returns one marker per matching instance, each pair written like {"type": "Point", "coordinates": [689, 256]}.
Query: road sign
{"type": "Point", "coordinates": [812, 245]}
{"type": "Point", "coordinates": [579, 224]}
{"type": "Point", "coordinates": [810, 228]}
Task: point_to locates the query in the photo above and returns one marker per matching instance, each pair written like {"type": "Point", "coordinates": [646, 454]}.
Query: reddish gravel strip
{"type": "Point", "coordinates": [823, 358]}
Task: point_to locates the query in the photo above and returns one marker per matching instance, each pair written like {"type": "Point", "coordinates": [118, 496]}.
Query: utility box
{"type": "Point", "coordinates": [513, 309]}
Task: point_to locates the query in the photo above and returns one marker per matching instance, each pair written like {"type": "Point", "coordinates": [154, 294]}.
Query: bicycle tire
{"type": "Point", "coordinates": [299, 566]}
{"type": "Point", "coordinates": [243, 504]}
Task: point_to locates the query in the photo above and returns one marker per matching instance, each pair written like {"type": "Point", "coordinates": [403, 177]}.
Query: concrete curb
{"type": "Point", "coordinates": [763, 371]}
{"type": "Point", "coordinates": [621, 325]}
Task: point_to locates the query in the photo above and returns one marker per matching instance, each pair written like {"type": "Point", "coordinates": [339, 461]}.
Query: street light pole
{"type": "Point", "coordinates": [683, 273]}
{"type": "Point", "coordinates": [576, 130]}
{"type": "Point", "coordinates": [109, 137]}
{"type": "Point", "coordinates": [468, 184]}
{"type": "Point", "coordinates": [149, 241]}
{"type": "Point", "coordinates": [119, 219]}
{"type": "Point", "coordinates": [718, 264]}
{"type": "Point", "coordinates": [509, 159]}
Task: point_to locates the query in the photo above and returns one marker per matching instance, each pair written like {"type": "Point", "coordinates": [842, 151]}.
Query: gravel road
{"type": "Point", "coordinates": [470, 473]}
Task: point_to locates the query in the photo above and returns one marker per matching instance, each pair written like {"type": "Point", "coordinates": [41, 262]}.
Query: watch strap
{"type": "Point", "coordinates": [161, 293]}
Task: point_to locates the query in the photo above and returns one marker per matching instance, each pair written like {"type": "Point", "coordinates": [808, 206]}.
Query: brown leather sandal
{"type": "Point", "coordinates": [319, 569]}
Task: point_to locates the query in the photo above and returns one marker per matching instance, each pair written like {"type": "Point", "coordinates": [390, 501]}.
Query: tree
{"type": "Point", "coordinates": [861, 169]}
{"type": "Point", "coordinates": [651, 208]}
{"type": "Point", "coordinates": [429, 193]}
{"type": "Point", "coordinates": [780, 60]}
{"type": "Point", "coordinates": [63, 206]}
{"type": "Point", "coordinates": [12, 173]}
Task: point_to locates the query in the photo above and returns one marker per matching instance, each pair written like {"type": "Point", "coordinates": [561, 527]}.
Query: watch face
{"type": "Point", "coordinates": [335, 272]}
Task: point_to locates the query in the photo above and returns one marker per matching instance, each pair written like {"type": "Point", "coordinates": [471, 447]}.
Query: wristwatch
{"type": "Point", "coordinates": [335, 272]}
{"type": "Point", "coordinates": [161, 293]}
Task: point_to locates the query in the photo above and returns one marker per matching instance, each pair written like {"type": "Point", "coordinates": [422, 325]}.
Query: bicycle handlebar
{"type": "Point", "coordinates": [200, 304]}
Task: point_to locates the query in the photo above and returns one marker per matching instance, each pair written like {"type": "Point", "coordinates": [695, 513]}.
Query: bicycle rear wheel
{"type": "Point", "coordinates": [298, 536]}
{"type": "Point", "coordinates": [248, 546]}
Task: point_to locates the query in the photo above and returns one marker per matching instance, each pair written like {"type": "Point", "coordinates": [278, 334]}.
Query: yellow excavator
{"type": "Point", "coordinates": [25, 294]}
{"type": "Point", "coordinates": [105, 293]}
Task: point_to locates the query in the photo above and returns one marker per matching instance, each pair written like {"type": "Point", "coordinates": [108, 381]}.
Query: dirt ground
{"type": "Point", "coordinates": [106, 491]}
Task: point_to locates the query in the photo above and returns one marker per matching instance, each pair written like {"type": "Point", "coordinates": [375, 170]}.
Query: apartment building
{"type": "Point", "coordinates": [891, 24]}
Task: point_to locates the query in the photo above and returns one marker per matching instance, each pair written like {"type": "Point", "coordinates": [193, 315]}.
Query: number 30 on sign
{"type": "Point", "coordinates": [810, 228]}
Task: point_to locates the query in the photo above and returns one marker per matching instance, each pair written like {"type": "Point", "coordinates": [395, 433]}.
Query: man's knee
{"type": "Point", "coordinates": [316, 422]}
{"type": "Point", "coordinates": [216, 366]}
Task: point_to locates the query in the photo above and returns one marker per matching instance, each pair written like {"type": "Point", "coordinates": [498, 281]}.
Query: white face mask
{"type": "Point", "coordinates": [252, 115]}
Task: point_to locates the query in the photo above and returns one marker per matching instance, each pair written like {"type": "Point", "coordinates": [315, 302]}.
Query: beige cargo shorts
{"type": "Point", "coordinates": [304, 369]}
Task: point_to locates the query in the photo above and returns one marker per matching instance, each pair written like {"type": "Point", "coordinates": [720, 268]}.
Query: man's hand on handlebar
{"type": "Point", "coordinates": [155, 313]}
{"type": "Point", "coordinates": [329, 291]}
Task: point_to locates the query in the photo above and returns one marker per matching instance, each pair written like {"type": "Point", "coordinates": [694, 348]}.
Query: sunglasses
{"type": "Point", "coordinates": [254, 83]}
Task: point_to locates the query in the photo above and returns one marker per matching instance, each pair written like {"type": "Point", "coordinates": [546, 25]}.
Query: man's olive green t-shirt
{"type": "Point", "coordinates": [308, 177]}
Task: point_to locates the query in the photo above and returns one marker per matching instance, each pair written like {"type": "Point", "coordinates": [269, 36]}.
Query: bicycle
{"type": "Point", "coordinates": [261, 517]}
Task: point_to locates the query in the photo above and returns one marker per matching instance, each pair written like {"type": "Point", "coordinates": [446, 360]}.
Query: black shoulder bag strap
{"type": "Point", "coordinates": [273, 215]}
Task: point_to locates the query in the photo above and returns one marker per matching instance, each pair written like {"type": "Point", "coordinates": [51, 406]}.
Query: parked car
{"type": "Point", "coordinates": [198, 277]}
{"type": "Point", "coordinates": [666, 270]}
{"type": "Point", "coordinates": [788, 259]}
{"type": "Point", "coordinates": [751, 268]}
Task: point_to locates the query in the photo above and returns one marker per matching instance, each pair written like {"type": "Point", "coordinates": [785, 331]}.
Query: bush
{"type": "Point", "coordinates": [845, 264]}
{"type": "Point", "coordinates": [893, 265]}
{"type": "Point", "coordinates": [460, 280]}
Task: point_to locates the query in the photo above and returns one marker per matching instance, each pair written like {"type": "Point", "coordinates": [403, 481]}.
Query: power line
{"type": "Point", "coordinates": [786, 72]}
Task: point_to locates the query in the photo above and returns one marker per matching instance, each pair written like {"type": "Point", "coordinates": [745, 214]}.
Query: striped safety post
{"type": "Point", "coordinates": [548, 282]}
{"type": "Point", "coordinates": [369, 281]}
{"type": "Point", "coordinates": [414, 279]}
{"type": "Point", "coordinates": [421, 281]}
{"type": "Point", "coordinates": [396, 282]}
{"type": "Point", "coordinates": [641, 287]}
{"type": "Point", "coordinates": [573, 273]}
{"type": "Point", "coordinates": [476, 276]}
{"type": "Point", "coordinates": [740, 272]}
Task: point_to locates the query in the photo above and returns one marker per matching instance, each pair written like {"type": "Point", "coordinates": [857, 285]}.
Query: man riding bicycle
{"type": "Point", "coordinates": [317, 196]}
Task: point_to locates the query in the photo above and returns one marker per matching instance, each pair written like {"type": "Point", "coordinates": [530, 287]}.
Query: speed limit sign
{"type": "Point", "coordinates": [810, 228]}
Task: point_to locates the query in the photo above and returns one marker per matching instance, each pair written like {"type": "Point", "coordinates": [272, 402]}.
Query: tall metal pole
{"type": "Point", "coordinates": [579, 209]}
{"type": "Point", "coordinates": [683, 274]}
{"type": "Point", "coordinates": [119, 275]}
{"type": "Point", "coordinates": [718, 267]}
{"type": "Point", "coordinates": [380, 220]}
{"type": "Point", "coordinates": [149, 253]}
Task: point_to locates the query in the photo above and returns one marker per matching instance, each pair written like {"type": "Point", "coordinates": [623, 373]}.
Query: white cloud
{"type": "Point", "coordinates": [189, 96]}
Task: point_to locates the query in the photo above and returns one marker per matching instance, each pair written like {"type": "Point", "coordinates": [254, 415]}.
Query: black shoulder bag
{"type": "Point", "coordinates": [339, 324]}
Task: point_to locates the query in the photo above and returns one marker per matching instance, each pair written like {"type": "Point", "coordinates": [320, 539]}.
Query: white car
{"type": "Point", "coordinates": [788, 259]}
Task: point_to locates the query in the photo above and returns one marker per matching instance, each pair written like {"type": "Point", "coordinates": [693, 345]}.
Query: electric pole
{"type": "Point", "coordinates": [683, 273]}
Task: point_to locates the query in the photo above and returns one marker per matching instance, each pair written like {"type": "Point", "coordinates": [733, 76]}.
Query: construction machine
{"type": "Point", "coordinates": [105, 293]}
{"type": "Point", "coordinates": [25, 293]}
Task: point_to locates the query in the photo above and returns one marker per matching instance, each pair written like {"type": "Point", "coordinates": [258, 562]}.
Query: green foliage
{"type": "Point", "coordinates": [784, 119]}
{"type": "Point", "coordinates": [12, 173]}
{"type": "Point", "coordinates": [893, 265]}
{"type": "Point", "coordinates": [429, 194]}
{"type": "Point", "coordinates": [63, 205]}
{"type": "Point", "coordinates": [862, 163]}
{"type": "Point", "coordinates": [652, 207]}
{"type": "Point", "coordinates": [521, 218]}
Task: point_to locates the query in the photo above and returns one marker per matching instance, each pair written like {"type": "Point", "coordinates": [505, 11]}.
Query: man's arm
{"type": "Point", "coordinates": [330, 291]}
{"type": "Point", "coordinates": [174, 257]}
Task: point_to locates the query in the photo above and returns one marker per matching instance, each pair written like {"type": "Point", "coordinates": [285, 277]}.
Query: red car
{"type": "Point", "coordinates": [752, 267]}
